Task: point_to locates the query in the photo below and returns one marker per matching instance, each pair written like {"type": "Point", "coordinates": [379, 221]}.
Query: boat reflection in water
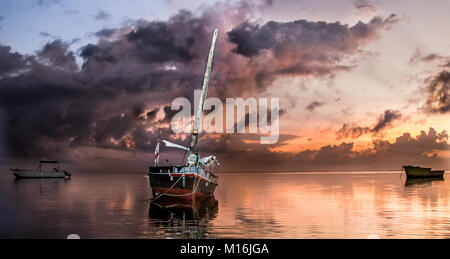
{"type": "Point", "coordinates": [183, 219]}
{"type": "Point", "coordinates": [422, 181]}
{"type": "Point", "coordinates": [40, 187]}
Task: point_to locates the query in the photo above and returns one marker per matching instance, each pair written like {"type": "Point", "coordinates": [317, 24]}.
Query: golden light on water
{"type": "Point", "coordinates": [333, 206]}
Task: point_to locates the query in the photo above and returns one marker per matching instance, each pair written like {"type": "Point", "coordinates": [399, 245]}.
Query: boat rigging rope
{"type": "Point", "coordinates": [177, 195]}
{"type": "Point", "coordinates": [157, 197]}
{"type": "Point", "coordinates": [193, 191]}
{"type": "Point", "coordinates": [166, 193]}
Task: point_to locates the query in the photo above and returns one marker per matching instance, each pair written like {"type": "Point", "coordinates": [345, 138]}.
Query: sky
{"type": "Point", "coordinates": [363, 84]}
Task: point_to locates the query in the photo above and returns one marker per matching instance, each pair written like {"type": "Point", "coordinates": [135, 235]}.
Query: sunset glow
{"type": "Point", "coordinates": [366, 77]}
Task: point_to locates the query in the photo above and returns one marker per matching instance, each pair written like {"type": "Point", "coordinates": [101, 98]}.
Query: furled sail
{"type": "Point", "coordinates": [170, 144]}
{"type": "Point", "coordinates": [156, 156]}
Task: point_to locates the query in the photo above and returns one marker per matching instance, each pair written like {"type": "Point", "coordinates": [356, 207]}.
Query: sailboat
{"type": "Point", "coordinates": [39, 173]}
{"type": "Point", "coordinates": [191, 180]}
{"type": "Point", "coordinates": [420, 172]}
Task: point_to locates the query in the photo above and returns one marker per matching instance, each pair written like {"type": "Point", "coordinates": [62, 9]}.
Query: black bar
{"type": "Point", "coordinates": [248, 248]}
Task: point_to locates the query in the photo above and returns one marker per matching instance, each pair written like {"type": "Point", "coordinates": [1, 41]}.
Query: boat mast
{"type": "Point", "coordinates": [199, 111]}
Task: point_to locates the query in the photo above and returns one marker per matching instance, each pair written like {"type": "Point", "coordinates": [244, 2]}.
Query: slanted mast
{"type": "Point", "coordinates": [191, 181]}
{"type": "Point", "coordinates": [193, 151]}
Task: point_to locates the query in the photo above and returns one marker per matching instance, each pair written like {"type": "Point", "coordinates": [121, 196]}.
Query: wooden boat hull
{"type": "Point", "coordinates": [419, 172]}
{"type": "Point", "coordinates": [19, 173]}
{"type": "Point", "coordinates": [189, 185]}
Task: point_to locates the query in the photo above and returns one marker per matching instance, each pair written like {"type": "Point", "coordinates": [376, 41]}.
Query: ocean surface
{"type": "Point", "coordinates": [269, 205]}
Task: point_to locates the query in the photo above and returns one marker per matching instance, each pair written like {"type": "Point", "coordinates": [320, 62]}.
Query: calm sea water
{"type": "Point", "coordinates": [277, 205]}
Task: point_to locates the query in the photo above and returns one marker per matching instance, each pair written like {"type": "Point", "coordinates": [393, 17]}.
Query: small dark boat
{"type": "Point", "coordinates": [420, 172]}
{"type": "Point", "coordinates": [39, 173]}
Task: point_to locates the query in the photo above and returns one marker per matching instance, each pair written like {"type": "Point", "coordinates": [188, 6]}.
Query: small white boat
{"type": "Point", "coordinates": [39, 173]}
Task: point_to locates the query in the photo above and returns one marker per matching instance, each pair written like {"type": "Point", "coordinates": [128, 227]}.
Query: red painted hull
{"type": "Point", "coordinates": [169, 182]}
{"type": "Point", "coordinates": [179, 194]}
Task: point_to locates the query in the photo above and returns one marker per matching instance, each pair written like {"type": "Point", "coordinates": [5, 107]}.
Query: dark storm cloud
{"type": "Point", "coordinates": [438, 93]}
{"type": "Point", "coordinates": [10, 61]}
{"type": "Point", "coordinates": [313, 105]}
{"type": "Point", "coordinates": [93, 54]}
{"type": "Point", "coordinates": [151, 115]}
{"type": "Point", "coordinates": [113, 128]}
{"type": "Point", "coordinates": [106, 33]}
{"type": "Point", "coordinates": [58, 55]}
{"type": "Point", "coordinates": [356, 131]}
{"type": "Point", "coordinates": [246, 118]}
{"type": "Point", "coordinates": [301, 47]}
{"type": "Point", "coordinates": [386, 120]}
{"type": "Point", "coordinates": [54, 106]}
{"type": "Point", "coordinates": [252, 38]}
{"type": "Point", "coordinates": [437, 88]}
{"type": "Point", "coordinates": [168, 46]}
{"type": "Point", "coordinates": [168, 114]}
